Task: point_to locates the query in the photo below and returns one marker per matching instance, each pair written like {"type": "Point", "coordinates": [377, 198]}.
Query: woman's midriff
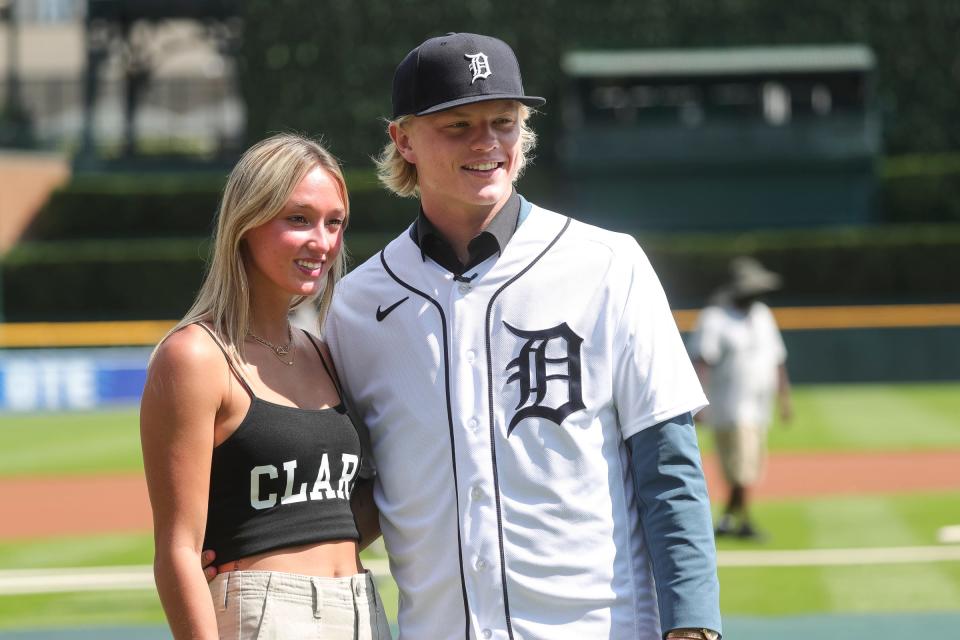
{"type": "Point", "coordinates": [335, 559]}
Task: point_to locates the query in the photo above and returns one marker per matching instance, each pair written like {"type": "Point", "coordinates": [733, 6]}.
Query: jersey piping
{"type": "Point", "coordinates": [453, 447]}
{"type": "Point", "coordinates": [606, 587]}
{"type": "Point", "coordinates": [493, 446]}
{"type": "Point", "coordinates": [493, 450]}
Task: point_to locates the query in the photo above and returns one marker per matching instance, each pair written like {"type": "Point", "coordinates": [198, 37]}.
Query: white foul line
{"type": "Point", "coordinates": [22, 581]}
{"type": "Point", "coordinates": [837, 557]}
{"type": "Point", "coordinates": [25, 581]}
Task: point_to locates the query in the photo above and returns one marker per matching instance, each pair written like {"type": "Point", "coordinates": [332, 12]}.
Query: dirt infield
{"type": "Point", "coordinates": [74, 505]}
{"type": "Point", "coordinates": [113, 504]}
{"type": "Point", "coordinates": [820, 474]}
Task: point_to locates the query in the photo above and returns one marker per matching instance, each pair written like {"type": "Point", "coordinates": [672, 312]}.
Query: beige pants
{"type": "Point", "coordinates": [270, 605]}
{"type": "Point", "coordinates": [742, 452]}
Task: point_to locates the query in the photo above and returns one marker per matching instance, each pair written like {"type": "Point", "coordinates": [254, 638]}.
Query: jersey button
{"type": "Point", "coordinates": [481, 564]}
{"type": "Point", "coordinates": [476, 493]}
{"type": "Point", "coordinates": [464, 288]}
{"type": "Point", "coordinates": [473, 423]}
{"type": "Point", "coordinates": [471, 356]}
{"type": "Point", "coordinates": [486, 633]}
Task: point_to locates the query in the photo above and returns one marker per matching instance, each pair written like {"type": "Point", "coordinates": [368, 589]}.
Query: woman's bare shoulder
{"type": "Point", "coordinates": [188, 356]}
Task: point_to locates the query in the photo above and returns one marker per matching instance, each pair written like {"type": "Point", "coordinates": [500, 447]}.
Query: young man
{"type": "Point", "coordinates": [526, 390]}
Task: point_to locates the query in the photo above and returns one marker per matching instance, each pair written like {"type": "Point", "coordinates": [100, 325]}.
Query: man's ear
{"type": "Point", "coordinates": [401, 138]}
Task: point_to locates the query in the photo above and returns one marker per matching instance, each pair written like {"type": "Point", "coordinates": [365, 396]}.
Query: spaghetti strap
{"type": "Point", "coordinates": [233, 369]}
{"type": "Point", "coordinates": [323, 361]}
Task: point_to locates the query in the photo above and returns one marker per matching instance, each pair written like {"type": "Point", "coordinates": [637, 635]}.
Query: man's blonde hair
{"type": "Point", "coordinates": [400, 176]}
{"type": "Point", "coordinates": [256, 191]}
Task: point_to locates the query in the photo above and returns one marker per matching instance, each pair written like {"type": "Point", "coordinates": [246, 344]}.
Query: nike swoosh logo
{"type": "Point", "coordinates": [383, 313]}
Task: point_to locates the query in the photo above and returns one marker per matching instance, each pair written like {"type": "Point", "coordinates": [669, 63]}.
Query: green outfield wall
{"type": "Point", "coordinates": [874, 355]}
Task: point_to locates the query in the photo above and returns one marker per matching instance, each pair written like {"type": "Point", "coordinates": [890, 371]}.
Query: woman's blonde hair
{"type": "Point", "coordinates": [256, 191]}
{"type": "Point", "coordinates": [400, 176]}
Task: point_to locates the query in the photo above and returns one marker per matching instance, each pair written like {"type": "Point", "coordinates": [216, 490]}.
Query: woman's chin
{"type": "Point", "coordinates": [305, 289]}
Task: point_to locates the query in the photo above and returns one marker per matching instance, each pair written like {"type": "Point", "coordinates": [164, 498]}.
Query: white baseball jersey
{"type": "Point", "coordinates": [497, 411]}
{"type": "Point", "coordinates": [744, 351]}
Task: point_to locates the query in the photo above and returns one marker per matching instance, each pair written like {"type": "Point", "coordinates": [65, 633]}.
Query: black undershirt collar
{"type": "Point", "coordinates": [488, 242]}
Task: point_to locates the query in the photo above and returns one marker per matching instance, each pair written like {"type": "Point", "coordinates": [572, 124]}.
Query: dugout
{"type": "Point", "coordinates": [721, 139]}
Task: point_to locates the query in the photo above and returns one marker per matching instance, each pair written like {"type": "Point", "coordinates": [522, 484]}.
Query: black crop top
{"type": "Point", "coordinates": [283, 478]}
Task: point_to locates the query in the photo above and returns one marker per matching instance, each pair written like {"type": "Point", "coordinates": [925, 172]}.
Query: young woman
{"type": "Point", "coordinates": [247, 445]}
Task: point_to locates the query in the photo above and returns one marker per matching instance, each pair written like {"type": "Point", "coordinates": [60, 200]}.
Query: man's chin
{"type": "Point", "coordinates": [494, 195]}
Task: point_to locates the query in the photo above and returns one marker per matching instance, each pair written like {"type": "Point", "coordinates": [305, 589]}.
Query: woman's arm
{"type": "Point", "coordinates": [177, 416]}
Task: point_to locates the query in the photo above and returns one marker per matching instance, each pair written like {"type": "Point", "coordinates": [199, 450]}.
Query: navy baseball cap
{"type": "Point", "coordinates": [457, 69]}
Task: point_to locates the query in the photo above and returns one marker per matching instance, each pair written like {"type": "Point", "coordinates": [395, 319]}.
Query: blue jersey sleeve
{"type": "Point", "coordinates": [675, 516]}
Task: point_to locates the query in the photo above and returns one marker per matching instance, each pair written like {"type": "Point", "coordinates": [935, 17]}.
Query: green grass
{"type": "Point", "coordinates": [827, 523]}
{"type": "Point", "coordinates": [77, 551]}
{"type": "Point", "coordinates": [104, 607]}
{"type": "Point", "coordinates": [903, 520]}
{"type": "Point", "coordinates": [110, 608]}
{"type": "Point", "coordinates": [872, 418]}
{"type": "Point", "coordinates": [895, 588]}
{"type": "Point", "coordinates": [827, 418]}
{"type": "Point", "coordinates": [80, 609]}
{"type": "Point", "coordinates": [91, 442]}
{"type": "Point", "coordinates": [876, 417]}
{"type": "Point", "coordinates": [848, 522]}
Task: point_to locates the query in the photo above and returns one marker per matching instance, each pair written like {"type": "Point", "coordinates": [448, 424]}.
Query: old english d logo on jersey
{"type": "Point", "coordinates": [535, 370]}
{"type": "Point", "coordinates": [479, 65]}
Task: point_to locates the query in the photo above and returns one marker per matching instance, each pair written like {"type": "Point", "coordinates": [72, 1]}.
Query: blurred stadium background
{"type": "Point", "coordinates": [820, 137]}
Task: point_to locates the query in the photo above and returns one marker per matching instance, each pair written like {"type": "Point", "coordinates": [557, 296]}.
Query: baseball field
{"type": "Point", "coordinates": [860, 491]}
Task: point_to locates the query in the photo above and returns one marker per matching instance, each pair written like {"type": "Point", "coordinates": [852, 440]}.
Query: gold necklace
{"type": "Point", "coordinates": [279, 350]}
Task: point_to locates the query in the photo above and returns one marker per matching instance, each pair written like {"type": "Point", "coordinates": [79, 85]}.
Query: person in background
{"type": "Point", "coordinates": [740, 358]}
{"type": "Point", "coordinates": [248, 447]}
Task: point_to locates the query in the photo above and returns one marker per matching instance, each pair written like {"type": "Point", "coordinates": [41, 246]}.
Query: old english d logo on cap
{"type": "Point", "coordinates": [479, 66]}
{"type": "Point", "coordinates": [457, 69]}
